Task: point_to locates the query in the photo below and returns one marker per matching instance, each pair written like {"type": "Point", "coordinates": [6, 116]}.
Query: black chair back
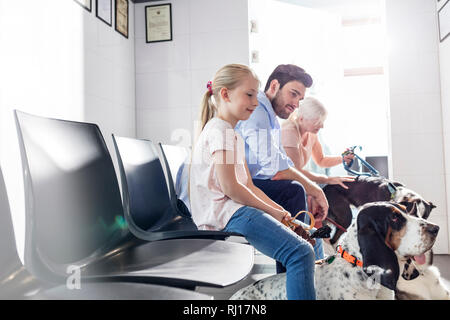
{"type": "Point", "coordinates": [174, 159]}
{"type": "Point", "coordinates": [151, 212]}
{"type": "Point", "coordinates": [73, 206]}
{"type": "Point", "coordinates": [146, 197]}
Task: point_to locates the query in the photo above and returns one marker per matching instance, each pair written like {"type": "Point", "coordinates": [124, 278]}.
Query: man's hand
{"type": "Point", "coordinates": [318, 205]}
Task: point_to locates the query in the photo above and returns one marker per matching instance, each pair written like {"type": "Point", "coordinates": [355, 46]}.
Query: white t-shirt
{"type": "Point", "coordinates": [211, 208]}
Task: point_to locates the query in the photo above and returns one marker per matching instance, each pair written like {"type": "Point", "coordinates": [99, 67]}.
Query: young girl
{"type": "Point", "coordinates": [222, 194]}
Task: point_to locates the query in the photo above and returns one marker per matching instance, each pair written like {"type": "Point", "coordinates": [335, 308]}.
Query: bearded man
{"type": "Point", "coordinates": [271, 169]}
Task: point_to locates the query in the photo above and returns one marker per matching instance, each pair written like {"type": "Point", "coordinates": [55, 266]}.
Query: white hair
{"type": "Point", "coordinates": [310, 108]}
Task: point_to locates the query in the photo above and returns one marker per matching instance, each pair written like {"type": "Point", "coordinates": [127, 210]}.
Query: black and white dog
{"type": "Point", "coordinates": [370, 259]}
{"type": "Point", "coordinates": [420, 280]}
{"type": "Point", "coordinates": [370, 189]}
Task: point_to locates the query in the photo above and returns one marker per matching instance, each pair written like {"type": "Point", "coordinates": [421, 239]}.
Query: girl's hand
{"type": "Point", "coordinates": [284, 215]}
{"type": "Point", "coordinates": [340, 181]}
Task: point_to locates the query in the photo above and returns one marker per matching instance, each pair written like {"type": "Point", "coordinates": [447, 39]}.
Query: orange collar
{"type": "Point", "coordinates": [347, 256]}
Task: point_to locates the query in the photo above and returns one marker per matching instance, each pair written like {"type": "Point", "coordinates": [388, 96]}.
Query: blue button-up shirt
{"type": "Point", "coordinates": [262, 135]}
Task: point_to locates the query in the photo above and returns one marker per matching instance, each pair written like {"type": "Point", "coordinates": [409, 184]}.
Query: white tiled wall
{"type": "Point", "coordinates": [171, 76]}
{"type": "Point", "coordinates": [415, 105]}
{"type": "Point", "coordinates": [59, 60]}
{"type": "Point", "coordinates": [444, 63]}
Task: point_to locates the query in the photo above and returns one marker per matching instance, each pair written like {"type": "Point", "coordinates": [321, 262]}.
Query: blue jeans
{"type": "Point", "coordinates": [291, 196]}
{"type": "Point", "coordinates": [272, 238]}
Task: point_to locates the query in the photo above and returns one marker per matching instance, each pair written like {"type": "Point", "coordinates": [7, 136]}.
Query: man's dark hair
{"type": "Point", "coordinates": [285, 73]}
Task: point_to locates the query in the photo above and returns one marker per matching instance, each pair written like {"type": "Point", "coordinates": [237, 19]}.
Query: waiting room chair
{"type": "Point", "coordinates": [175, 161]}
{"type": "Point", "coordinates": [17, 283]}
{"type": "Point", "coordinates": [74, 216]}
{"type": "Point", "coordinates": [149, 208]}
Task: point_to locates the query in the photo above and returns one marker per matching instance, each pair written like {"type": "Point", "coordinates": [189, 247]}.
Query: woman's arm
{"type": "Point", "coordinates": [295, 155]}
{"type": "Point", "coordinates": [321, 160]}
{"type": "Point", "coordinates": [239, 192]}
{"type": "Point", "coordinates": [326, 162]}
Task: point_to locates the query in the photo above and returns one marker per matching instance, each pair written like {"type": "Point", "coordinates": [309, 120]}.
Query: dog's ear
{"type": "Point", "coordinates": [373, 223]}
{"type": "Point", "coordinates": [429, 206]}
{"type": "Point", "coordinates": [413, 209]}
{"type": "Point", "coordinates": [397, 184]}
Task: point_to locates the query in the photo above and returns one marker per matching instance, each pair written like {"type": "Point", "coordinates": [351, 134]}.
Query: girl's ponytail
{"type": "Point", "coordinates": [207, 106]}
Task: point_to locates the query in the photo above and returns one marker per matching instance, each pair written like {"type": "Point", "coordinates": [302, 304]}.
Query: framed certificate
{"type": "Point", "coordinates": [103, 11]}
{"type": "Point", "coordinates": [122, 17]}
{"type": "Point", "coordinates": [87, 4]}
{"type": "Point", "coordinates": [444, 21]}
{"type": "Point", "coordinates": [158, 20]}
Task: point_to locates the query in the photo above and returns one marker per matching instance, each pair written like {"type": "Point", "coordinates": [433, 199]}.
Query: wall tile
{"type": "Point", "coordinates": [215, 49]}
{"type": "Point", "coordinates": [417, 153]}
{"type": "Point", "coordinates": [169, 89]}
{"type": "Point", "coordinates": [446, 145]}
{"type": "Point", "coordinates": [163, 56]}
{"type": "Point", "coordinates": [200, 78]}
{"type": "Point", "coordinates": [415, 113]}
{"type": "Point", "coordinates": [209, 16]}
{"type": "Point", "coordinates": [176, 121]}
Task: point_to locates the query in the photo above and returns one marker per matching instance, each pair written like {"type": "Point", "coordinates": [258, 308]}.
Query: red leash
{"type": "Point", "coordinates": [336, 224]}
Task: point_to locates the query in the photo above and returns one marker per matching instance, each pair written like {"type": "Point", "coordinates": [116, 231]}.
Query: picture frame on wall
{"type": "Point", "coordinates": [103, 11]}
{"type": "Point", "coordinates": [121, 14]}
{"type": "Point", "coordinates": [87, 4]}
{"type": "Point", "coordinates": [444, 21]}
{"type": "Point", "coordinates": [158, 23]}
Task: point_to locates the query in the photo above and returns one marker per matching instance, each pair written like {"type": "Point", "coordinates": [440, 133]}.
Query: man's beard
{"type": "Point", "coordinates": [279, 107]}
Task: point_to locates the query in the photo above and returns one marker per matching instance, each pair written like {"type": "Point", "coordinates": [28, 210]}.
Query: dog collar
{"type": "Point", "coordinates": [392, 189]}
{"type": "Point", "coordinates": [347, 256]}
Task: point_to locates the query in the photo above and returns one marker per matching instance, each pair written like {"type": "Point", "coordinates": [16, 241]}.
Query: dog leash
{"type": "Point", "coordinates": [292, 225]}
{"type": "Point", "coordinates": [337, 225]}
{"type": "Point", "coordinates": [323, 232]}
{"type": "Point", "coordinates": [373, 172]}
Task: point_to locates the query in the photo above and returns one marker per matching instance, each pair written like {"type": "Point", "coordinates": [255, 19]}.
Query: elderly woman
{"type": "Point", "coordinates": [300, 141]}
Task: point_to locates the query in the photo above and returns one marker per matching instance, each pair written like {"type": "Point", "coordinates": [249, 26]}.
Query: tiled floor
{"type": "Point", "coordinates": [265, 266]}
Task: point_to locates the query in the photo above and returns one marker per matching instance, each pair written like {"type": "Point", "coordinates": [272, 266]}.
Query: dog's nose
{"type": "Point", "coordinates": [432, 229]}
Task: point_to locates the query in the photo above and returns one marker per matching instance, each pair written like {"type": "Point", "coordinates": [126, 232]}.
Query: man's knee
{"type": "Point", "coordinates": [297, 188]}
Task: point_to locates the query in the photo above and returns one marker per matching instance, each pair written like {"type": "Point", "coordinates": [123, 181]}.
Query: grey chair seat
{"type": "Point", "coordinates": [120, 291]}
{"type": "Point", "coordinates": [183, 262]}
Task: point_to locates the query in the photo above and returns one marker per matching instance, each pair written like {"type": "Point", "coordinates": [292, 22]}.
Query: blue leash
{"type": "Point", "coordinates": [373, 172]}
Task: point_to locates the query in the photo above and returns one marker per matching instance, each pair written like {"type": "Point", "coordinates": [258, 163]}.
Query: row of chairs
{"type": "Point", "coordinates": [143, 244]}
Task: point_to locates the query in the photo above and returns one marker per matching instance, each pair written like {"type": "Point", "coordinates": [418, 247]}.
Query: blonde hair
{"type": "Point", "coordinates": [229, 76]}
{"type": "Point", "coordinates": [310, 108]}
